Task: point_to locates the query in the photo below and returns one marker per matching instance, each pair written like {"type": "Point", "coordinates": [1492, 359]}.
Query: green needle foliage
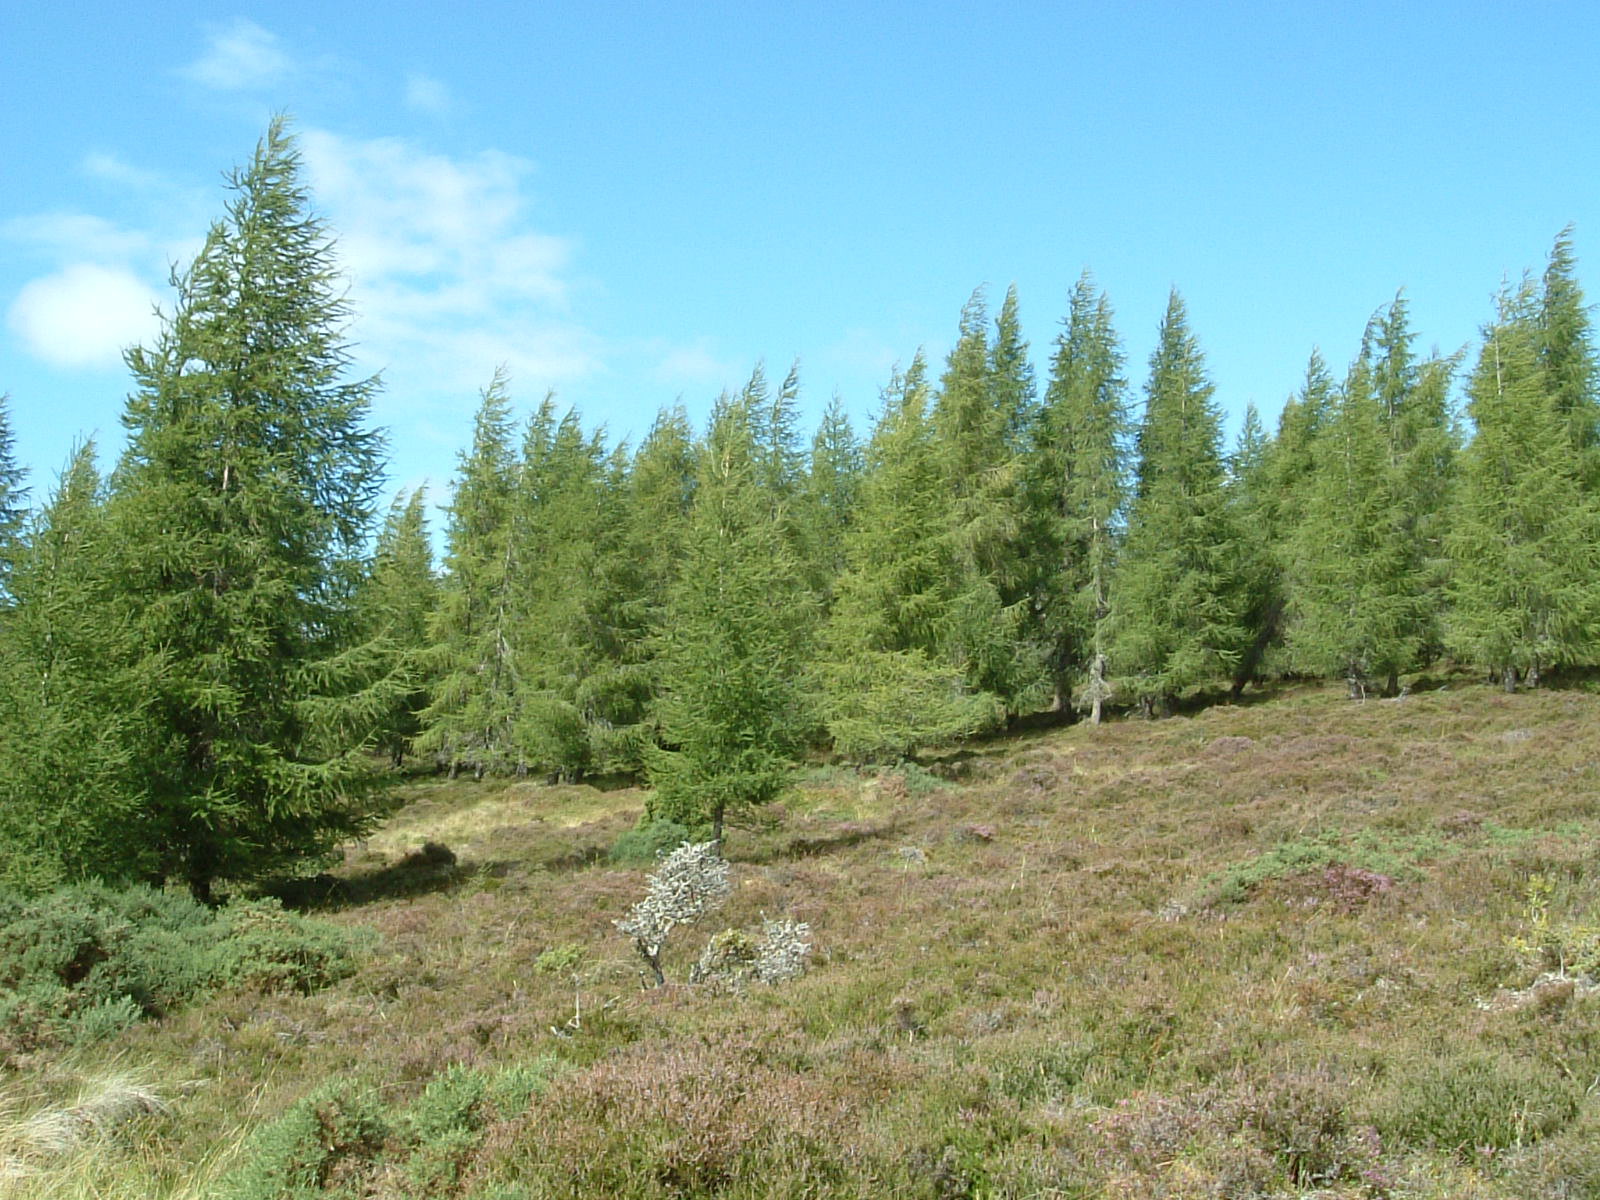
{"type": "Point", "coordinates": [241, 507]}
{"type": "Point", "coordinates": [1368, 557]}
{"type": "Point", "coordinates": [397, 603]}
{"type": "Point", "coordinates": [473, 712]}
{"type": "Point", "coordinates": [734, 644]}
{"type": "Point", "coordinates": [1526, 540]}
{"type": "Point", "coordinates": [1078, 484]}
{"type": "Point", "coordinates": [1176, 599]}
{"type": "Point", "coordinates": [13, 501]}
{"type": "Point", "coordinates": [74, 704]}
{"type": "Point", "coordinates": [887, 680]}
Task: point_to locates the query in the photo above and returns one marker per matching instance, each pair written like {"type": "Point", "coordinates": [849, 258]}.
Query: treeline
{"type": "Point", "coordinates": [200, 652]}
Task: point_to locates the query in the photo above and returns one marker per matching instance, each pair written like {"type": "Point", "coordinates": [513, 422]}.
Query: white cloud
{"type": "Point", "coordinates": [426, 94]}
{"type": "Point", "coordinates": [447, 277]}
{"type": "Point", "coordinates": [240, 57]}
{"type": "Point", "coordinates": [84, 315]}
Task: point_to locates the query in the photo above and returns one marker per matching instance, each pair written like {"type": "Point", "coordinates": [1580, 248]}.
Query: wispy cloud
{"type": "Point", "coordinates": [71, 235]}
{"type": "Point", "coordinates": [238, 57]}
{"type": "Point", "coordinates": [448, 276]}
{"type": "Point", "coordinates": [692, 365]}
{"type": "Point", "coordinates": [425, 94]}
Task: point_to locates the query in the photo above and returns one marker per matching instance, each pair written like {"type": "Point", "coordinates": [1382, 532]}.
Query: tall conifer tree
{"type": "Point", "coordinates": [75, 725]}
{"type": "Point", "coordinates": [398, 601]}
{"type": "Point", "coordinates": [1526, 538]}
{"type": "Point", "coordinates": [244, 500]}
{"type": "Point", "coordinates": [888, 681]}
{"type": "Point", "coordinates": [1078, 485]}
{"type": "Point", "coordinates": [1176, 601]}
{"type": "Point", "coordinates": [1355, 599]}
{"type": "Point", "coordinates": [472, 718]}
{"type": "Point", "coordinates": [734, 643]}
{"type": "Point", "coordinates": [13, 501]}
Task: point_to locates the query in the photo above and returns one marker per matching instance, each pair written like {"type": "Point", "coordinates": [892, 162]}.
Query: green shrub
{"type": "Point", "coordinates": [267, 949]}
{"type": "Point", "coordinates": [337, 1131]}
{"type": "Point", "coordinates": [86, 961]}
{"type": "Point", "coordinates": [443, 1126]}
{"type": "Point", "coordinates": [1395, 856]}
{"type": "Point", "coordinates": [341, 1141]}
{"type": "Point", "coordinates": [644, 844]}
{"type": "Point", "coordinates": [559, 960]}
{"type": "Point", "coordinates": [513, 1088]}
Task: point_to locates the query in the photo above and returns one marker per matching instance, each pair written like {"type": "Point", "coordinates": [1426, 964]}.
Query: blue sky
{"type": "Point", "coordinates": [632, 204]}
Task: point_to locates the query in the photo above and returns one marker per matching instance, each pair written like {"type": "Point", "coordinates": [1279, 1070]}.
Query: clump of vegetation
{"type": "Point", "coordinates": [342, 1138]}
{"type": "Point", "coordinates": [732, 959]}
{"type": "Point", "coordinates": [648, 841]}
{"type": "Point", "coordinates": [1352, 868]}
{"type": "Point", "coordinates": [690, 881]}
{"type": "Point", "coordinates": [1475, 1104]}
{"type": "Point", "coordinates": [1566, 948]}
{"type": "Point", "coordinates": [87, 961]}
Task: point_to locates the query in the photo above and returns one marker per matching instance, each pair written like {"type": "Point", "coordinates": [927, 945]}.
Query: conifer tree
{"type": "Point", "coordinates": [887, 680]}
{"type": "Point", "coordinates": [984, 403]}
{"type": "Point", "coordinates": [74, 703]}
{"type": "Point", "coordinates": [1413, 400]}
{"type": "Point", "coordinates": [561, 592]}
{"type": "Point", "coordinates": [1255, 518]}
{"type": "Point", "coordinates": [243, 502]}
{"type": "Point", "coordinates": [649, 501]}
{"type": "Point", "coordinates": [734, 643]}
{"type": "Point", "coordinates": [472, 717]}
{"type": "Point", "coordinates": [828, 500]}
{"type": "Point", "coordinates": [775, 434]}
{"type": "Point", "coordinates": [1526, 539]}
{"type": "Point", "coordinates": [13, 501]}
{"type": "Point", "coordinates": [1354, 598]}
{"type": "Point", "coordinates": [1270, 483]}
{"type": "Point", "coordinates": [1176, 607]}
{"type": "Point", "coordinates": [1077, 487]}
{"type": "Point", "coordinates": [398, 601]}
{"type": "Point", "coordinates": [1565, 348]}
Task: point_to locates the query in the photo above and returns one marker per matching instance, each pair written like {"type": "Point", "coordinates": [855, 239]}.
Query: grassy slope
{"type": "Point", "coordinates": [1108, 962]}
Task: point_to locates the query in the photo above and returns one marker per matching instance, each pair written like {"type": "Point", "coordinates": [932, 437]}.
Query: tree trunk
{"type": "Point", "coordinates": [1508, 679]}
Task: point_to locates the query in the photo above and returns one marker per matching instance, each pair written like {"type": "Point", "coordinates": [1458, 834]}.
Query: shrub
{"type": "Point", "coordinates": [267, 949]}
{"type": "Point", "coordinates": [1365, 854]}
{"type": "Point", "coordinates": [648, 842]}
{"type": "Point", "coordinates": [87, 961]}
{"type": "Point", "coordinates": [339, 1130]}
{"type": "Point", "coordinates": [733, 959]}
{"type": "Point", "coordinates": [559, 960]}
{"type": "Point", "coordinates": [689, 882]}
{"type": "Point", "coordinates": [1564, 947]}
{"type": "Point", "coordinates": [340, 1140]}
{"type": "Point", "coordinates": [443, 1125]}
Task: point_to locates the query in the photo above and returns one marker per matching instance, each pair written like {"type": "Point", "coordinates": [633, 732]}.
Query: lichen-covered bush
{"type": "Point", "coordinates": [690, 881]}
{"type": "Point", "coordinates": [733, 959]}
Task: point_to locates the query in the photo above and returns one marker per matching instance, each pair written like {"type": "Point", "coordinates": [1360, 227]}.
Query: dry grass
{"type": "Point", "coordinates": [1107, 963]}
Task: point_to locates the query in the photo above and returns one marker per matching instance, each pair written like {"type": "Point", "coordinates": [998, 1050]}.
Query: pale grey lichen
{"type": "Point", "coordinates": [691, 880]}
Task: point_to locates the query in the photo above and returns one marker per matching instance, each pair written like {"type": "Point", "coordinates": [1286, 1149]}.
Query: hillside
{"type": "Point", "coordinates": [1264, 950]}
